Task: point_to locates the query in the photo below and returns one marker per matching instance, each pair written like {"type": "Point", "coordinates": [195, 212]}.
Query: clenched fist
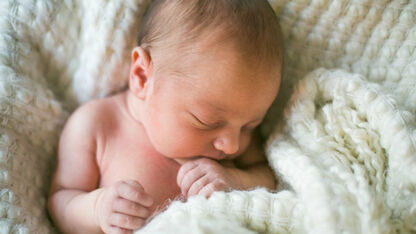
{"type": "Point", "coordinates": [203, 176]}
{"type": "Point", "coordinates": [122, 207]}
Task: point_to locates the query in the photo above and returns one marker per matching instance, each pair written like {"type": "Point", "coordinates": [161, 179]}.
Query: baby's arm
{"type": "Point", "coordinates": [203, 176]}
{"type": "Point", "coordinates": [75, 204]}
{"type": "Point", "coordinates": [73, 190]}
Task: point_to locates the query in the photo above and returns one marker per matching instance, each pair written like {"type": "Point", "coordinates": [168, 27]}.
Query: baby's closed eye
{"type": "Point", "coordinates": [204, 124]}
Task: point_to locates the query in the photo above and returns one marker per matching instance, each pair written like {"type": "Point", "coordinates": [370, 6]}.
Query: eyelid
{"type": "Point", "coordinates": [251, 125]}
{"type": "Point", "coordinates": [208, 125]}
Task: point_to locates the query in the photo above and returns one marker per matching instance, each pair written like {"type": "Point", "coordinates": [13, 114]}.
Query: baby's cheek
{"type": "Point", "coordinates": [196, 146]}
{"type": "Point", "coordinates": [187, 144]}
{"type": "Point", "coordinates": [244, 143]}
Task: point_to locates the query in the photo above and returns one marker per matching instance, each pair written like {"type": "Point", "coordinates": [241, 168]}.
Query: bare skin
{"type": "Point", "coordinates": [122, 157]}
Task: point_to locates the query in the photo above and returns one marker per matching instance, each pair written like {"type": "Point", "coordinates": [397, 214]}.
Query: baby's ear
{"type": "Point", "coordinates": [140, 72]}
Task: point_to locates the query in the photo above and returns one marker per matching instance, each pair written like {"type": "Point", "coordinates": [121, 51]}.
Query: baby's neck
{"type": "Point", "coordinates": [133, 106]}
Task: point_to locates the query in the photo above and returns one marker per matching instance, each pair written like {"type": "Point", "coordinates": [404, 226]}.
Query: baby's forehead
{"type": "Point", "coordinates": [240, 105]}
{"type": "Point", "coordinates": [216, 56]}
{"type": "Point", "coordinates": [211, 84]}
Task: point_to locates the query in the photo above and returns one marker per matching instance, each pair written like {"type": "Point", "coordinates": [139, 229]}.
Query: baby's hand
{"type": "Point", "coordinates": [203, 176]}
{"type": "Point", "coordinates": [122, 207]}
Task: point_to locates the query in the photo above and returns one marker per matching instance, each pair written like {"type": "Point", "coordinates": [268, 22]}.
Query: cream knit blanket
{"type": "Point", "coordinates": [343, 147]}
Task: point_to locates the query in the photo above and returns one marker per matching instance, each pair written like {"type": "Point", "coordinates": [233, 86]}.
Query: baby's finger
{"type": "Point", "coordinates": [206, 191]}
{"type": "Point", "coordinates": [183, 170]}
{"type": "Point", "coordinates": [210, 188]}
{"type": "Point", "coordinates": [135, 193]}
{"type": "Point", "coordinates": [189, 178]}
{"type": "Point", "coordinates": [126, 221]}
{"type": "Point", "coordinates": [128, 207]}
{"type": "Point", "coordinates": [198, 185]}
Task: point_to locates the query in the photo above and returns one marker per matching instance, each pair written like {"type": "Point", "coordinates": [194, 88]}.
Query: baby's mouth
{"type": "Point", "coordinates": [218, 157]}
{"type": "Point", "coordinates": [182, 161]}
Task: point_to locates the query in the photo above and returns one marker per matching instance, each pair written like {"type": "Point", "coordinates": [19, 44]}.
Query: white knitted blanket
{"type": "Point", "coordinates": [343, 147]}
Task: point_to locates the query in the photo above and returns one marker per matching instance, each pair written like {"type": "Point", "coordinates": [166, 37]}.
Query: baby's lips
{"type": "Point", "coordinates": [218, 156]}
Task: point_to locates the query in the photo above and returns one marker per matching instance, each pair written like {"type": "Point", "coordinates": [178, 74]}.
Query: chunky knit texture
{"type": "Point", "coordinates": [341, 138]}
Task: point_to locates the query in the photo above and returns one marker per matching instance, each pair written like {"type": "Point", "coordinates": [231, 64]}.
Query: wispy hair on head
{"type": "Point", "coordinates": [251, 26]}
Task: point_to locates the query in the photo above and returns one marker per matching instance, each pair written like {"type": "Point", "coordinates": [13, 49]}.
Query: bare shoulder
{"type": "Point", "coordinates": [87, 126]}
{"type": "Point", "coordinates": [93, 115]}
{"type": "Point", "coordinates": [91, 111]}
{"type": "Point", "coordinates": [79, 144]}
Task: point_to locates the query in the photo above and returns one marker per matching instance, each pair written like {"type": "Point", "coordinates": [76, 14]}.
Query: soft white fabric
{"type": "Point", "coordinates": [345, 149]}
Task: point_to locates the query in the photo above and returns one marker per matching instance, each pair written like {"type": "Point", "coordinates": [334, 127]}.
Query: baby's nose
{"type": "Point", "coordinates": [228, 144]}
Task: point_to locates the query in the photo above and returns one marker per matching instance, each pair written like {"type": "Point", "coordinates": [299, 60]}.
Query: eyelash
{"type": "Point", "coordinates": [207, 125]}
{"type": "Point", "coordinates": [214, 126]}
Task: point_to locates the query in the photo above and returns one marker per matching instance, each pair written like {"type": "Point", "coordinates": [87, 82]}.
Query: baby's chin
{"type": "Point", "coordinates": [181, 161]}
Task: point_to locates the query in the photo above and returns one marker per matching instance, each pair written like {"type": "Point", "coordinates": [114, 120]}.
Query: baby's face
{"type": "Point", "coordinates": [208, 110]}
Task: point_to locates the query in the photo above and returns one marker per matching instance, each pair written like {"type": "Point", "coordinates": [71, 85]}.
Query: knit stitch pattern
{"type": "Point", "coordinates": [341, 135]}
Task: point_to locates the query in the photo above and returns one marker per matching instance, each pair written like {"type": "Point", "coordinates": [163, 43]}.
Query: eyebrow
{"type": "Point", "coordinates": [212, 106]}
{"type": "Point", "coordinates": [219, 109]}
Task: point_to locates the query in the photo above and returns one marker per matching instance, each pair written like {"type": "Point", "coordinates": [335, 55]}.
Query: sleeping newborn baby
{"type": "Point", "coordinates": [200, 82]}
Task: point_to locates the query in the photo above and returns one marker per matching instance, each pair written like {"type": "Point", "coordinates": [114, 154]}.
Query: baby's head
{"type": "Point", "coordinates": [205, 73]}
